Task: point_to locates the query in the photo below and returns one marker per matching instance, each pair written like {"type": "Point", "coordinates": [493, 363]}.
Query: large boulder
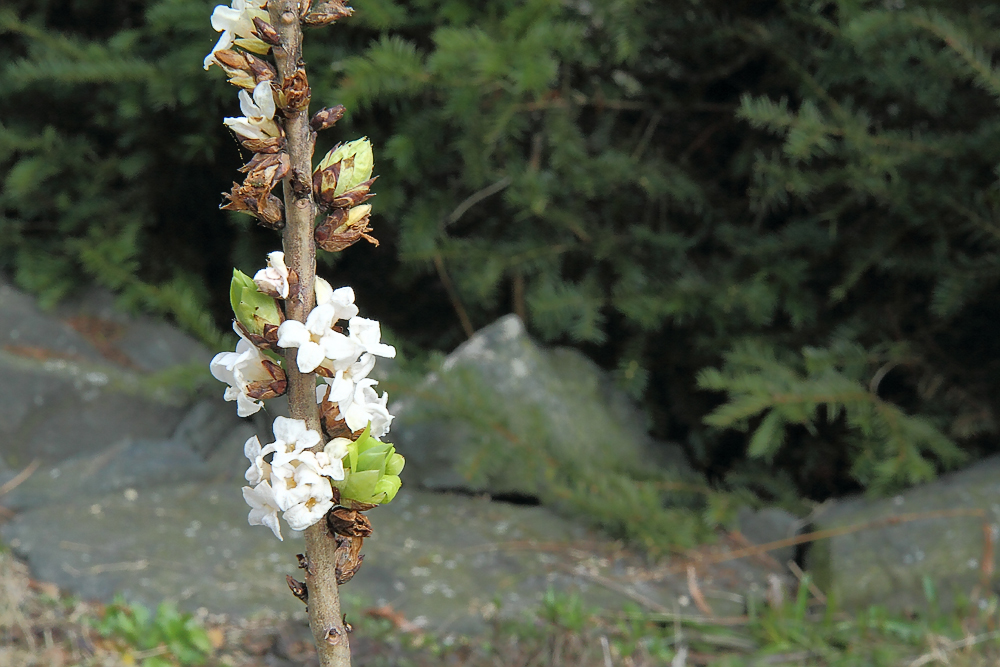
{"type": "Point", "coordinates": [894, 544]}
{"type": "Point", "coordinates": [500, 402]}
{"type": "Point", "coordinates": [81, 378]}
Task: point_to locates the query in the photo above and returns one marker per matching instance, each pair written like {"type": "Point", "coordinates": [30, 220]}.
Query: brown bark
{"type": "Point", "coordinates": [300, 256]}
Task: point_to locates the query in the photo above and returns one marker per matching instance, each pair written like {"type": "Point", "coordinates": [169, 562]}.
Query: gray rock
{"type": "Point", "coordinates": [65, 394]}
{"type": "Point", "coordinates": [442, 560]}
{"type": "Point", "coordinates": [507, 385]}
{"type": "Point", "coordinates": [769, 525]}
{"type": "Point", "coordinates": [886, 562]}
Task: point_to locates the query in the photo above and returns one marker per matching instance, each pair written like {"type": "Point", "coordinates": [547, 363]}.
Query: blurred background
{"type": "Point", "coordinates": [802, 195]}
{"type": "Point", "coordinates": [775, 226]}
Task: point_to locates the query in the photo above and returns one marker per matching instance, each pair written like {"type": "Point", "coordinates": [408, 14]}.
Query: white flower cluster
{"type": "Point", "coordinates": [346, 358]}
{"type": "Point", "coordinates": [292, 475]}
{"type": "Point", "coordinates": [296, 481]}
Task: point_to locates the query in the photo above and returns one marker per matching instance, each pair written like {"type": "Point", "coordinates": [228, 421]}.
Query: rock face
{"type": "Point", "coordinates": [509, 386]}
{"type": "Point", "coordinates": [77, 383]}
{"type": "Point", "coordinates": [886, 563]}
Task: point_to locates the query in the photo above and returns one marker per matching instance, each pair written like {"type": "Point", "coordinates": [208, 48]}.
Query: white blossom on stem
{"type": "Point", "coordinates": [257, 121]}
{"type": "Point", "coordinates": [238, 369]}
{"type": "Point", "coordinates": [365, 406]}
{"type": "Point", "coordinates": [263, 508]}
{"type": "Point", "coordinates": [291, 438]}
{"type": "Point", "coordinates": [236, 22]}
{"type": "Point", "coordinates": [259, 469]}
{"type": "Point", "coordinates": [316, 339]}
{"type": "Point", "coordinates": [273, 281]}
{"type": "Point", "coordinates": [368, 334]}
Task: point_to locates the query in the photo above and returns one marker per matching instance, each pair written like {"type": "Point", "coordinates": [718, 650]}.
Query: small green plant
{"type": "Point", "coordinates": [166, 639]}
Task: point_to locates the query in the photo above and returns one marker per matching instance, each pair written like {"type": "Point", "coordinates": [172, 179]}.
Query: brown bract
{"type": "Point", "coordinates": [297, 588]}
{"type": "Point", "coordinates": [327, 118]}
{"type": "Point", "coordinates": [246, 66]}
{"type": "Point", "coordinates": [326, 13]}
{"type": "Point", "coordinates": [263, 390]}
{"type": "Point", "coordinates": [348, 558]}
{"type": "Point", "coordinates": [265, 170]}
{"type": "Point", "coordinates": [348, 522]}
{"type": "Point", "coordinates": [267, 341]}
{"type": "Point", "coordinates": [258, 202]}
{"type": "Point", "coordinates": [295, 91]}
{"type": "Point", "coordinates": [269, 145]}
{"type": "Point", "coordinates": [339, 231]}
{"type": "Point", "coordinates": [266, 32]}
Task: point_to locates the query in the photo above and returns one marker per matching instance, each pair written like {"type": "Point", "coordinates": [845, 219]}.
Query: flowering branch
{"type": "Point", "coordinates": [327, 464]}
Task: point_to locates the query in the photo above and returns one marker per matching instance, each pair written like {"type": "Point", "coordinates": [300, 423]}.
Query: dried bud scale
{"type": "Point", "coordinates": [327, 118]}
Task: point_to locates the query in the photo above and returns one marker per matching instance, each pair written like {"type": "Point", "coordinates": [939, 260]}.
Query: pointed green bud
{"type": "Point", "coordinates": [354, 161]}
{"type": "Point", "coordinates": [388, 485]}
{"type": "Point", "coordinates": [394, 464]}
{"type": "Point", "coordinates": [360, 486]}
{"type": "Point", "coordinates": [371, 471]}
{"type": "Point", "coordinates": [252, 308]}
{"type": "Point", "coordinates": [372, 460]}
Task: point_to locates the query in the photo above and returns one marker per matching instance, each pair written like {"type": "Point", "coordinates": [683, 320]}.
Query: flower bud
{"type": "Point", "coordinates": [371, 471]}
{"type": "Point", "coordinates": [326, 13]}
{"type": "Point", "coordinates": [327, 118]}
{"type": "Point", "coordinates": [345, 168]}
{"type": "Point", "coordinates": [244, 69]}
{"type": "Point", "coordinates": [344, 227]}
{"type": "Point", "coordinates": [253, 309]}
{"type": "Point", "coordinates": [266, 32]}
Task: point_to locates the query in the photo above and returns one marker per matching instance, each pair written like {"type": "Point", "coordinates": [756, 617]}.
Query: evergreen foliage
{"type": "Point", "coordinates": [800, 195]}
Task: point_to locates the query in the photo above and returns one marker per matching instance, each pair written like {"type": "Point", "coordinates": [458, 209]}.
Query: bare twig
{"type": "Point", "coordinates": [456, 301]}
{"type": "Point", "coordinates": [19, 478]}
{"type": "Point", "coordinates": [696, 594]}
{"type": "Point", "coordinates": [801, 576]}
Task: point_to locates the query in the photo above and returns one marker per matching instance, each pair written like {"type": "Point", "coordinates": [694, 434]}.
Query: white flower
{"type": "Point", "coordinates": [323, 464]}
{"type": "Point", "coordinates": [316, 339]}
{"type": "Point", "coordinates": [238, 369]}
{"type": "Point", "coordinates": [365, 406]}
{"type": "Point", "coordinates": [291, 438]}
{"type": "Point", "coordinates": [259, 469]}
{"type": "Point", "coordinates": [296, 484]}
{"type": "Point", "coordinates": [237, 21]}
{"type": "Point", "coordinates": [336, 449]}
{"type": "Point", "coordinates": [367, 334]}
{"type": "Point", "coordinates": [341, 298]}
{"type": "Point", "coordinates": [302, 515]}
{"type": "Point", "coordinates": [273, 280]}
{"type": "Point", "coordinates": [257, 121]}
{"type": "Point", "coordinates": [342, 383]}
{"type": "Point", "coordinates": [263, 509]}
{"type": "Point", "coordinates": [305, 495]}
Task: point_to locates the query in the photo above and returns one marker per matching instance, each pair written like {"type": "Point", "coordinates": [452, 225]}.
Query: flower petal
{"type": "Point", "coordinates": [293, 333]}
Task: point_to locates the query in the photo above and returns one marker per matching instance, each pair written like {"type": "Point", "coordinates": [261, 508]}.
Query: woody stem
{"type": "Point", "coordinates": [300, 256]}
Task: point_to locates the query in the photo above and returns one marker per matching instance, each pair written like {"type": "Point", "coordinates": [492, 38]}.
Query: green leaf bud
{"type": "Point", "coordinates": [394, 464]}
{"type": "Point", "coordinates": [388, 485]}
{"type": "Point", "coordinates": [252, 308]}
{"type": "Point", "coordinates": [343, 177]}
{"type": "Point", "coordinates": [371, 471]}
